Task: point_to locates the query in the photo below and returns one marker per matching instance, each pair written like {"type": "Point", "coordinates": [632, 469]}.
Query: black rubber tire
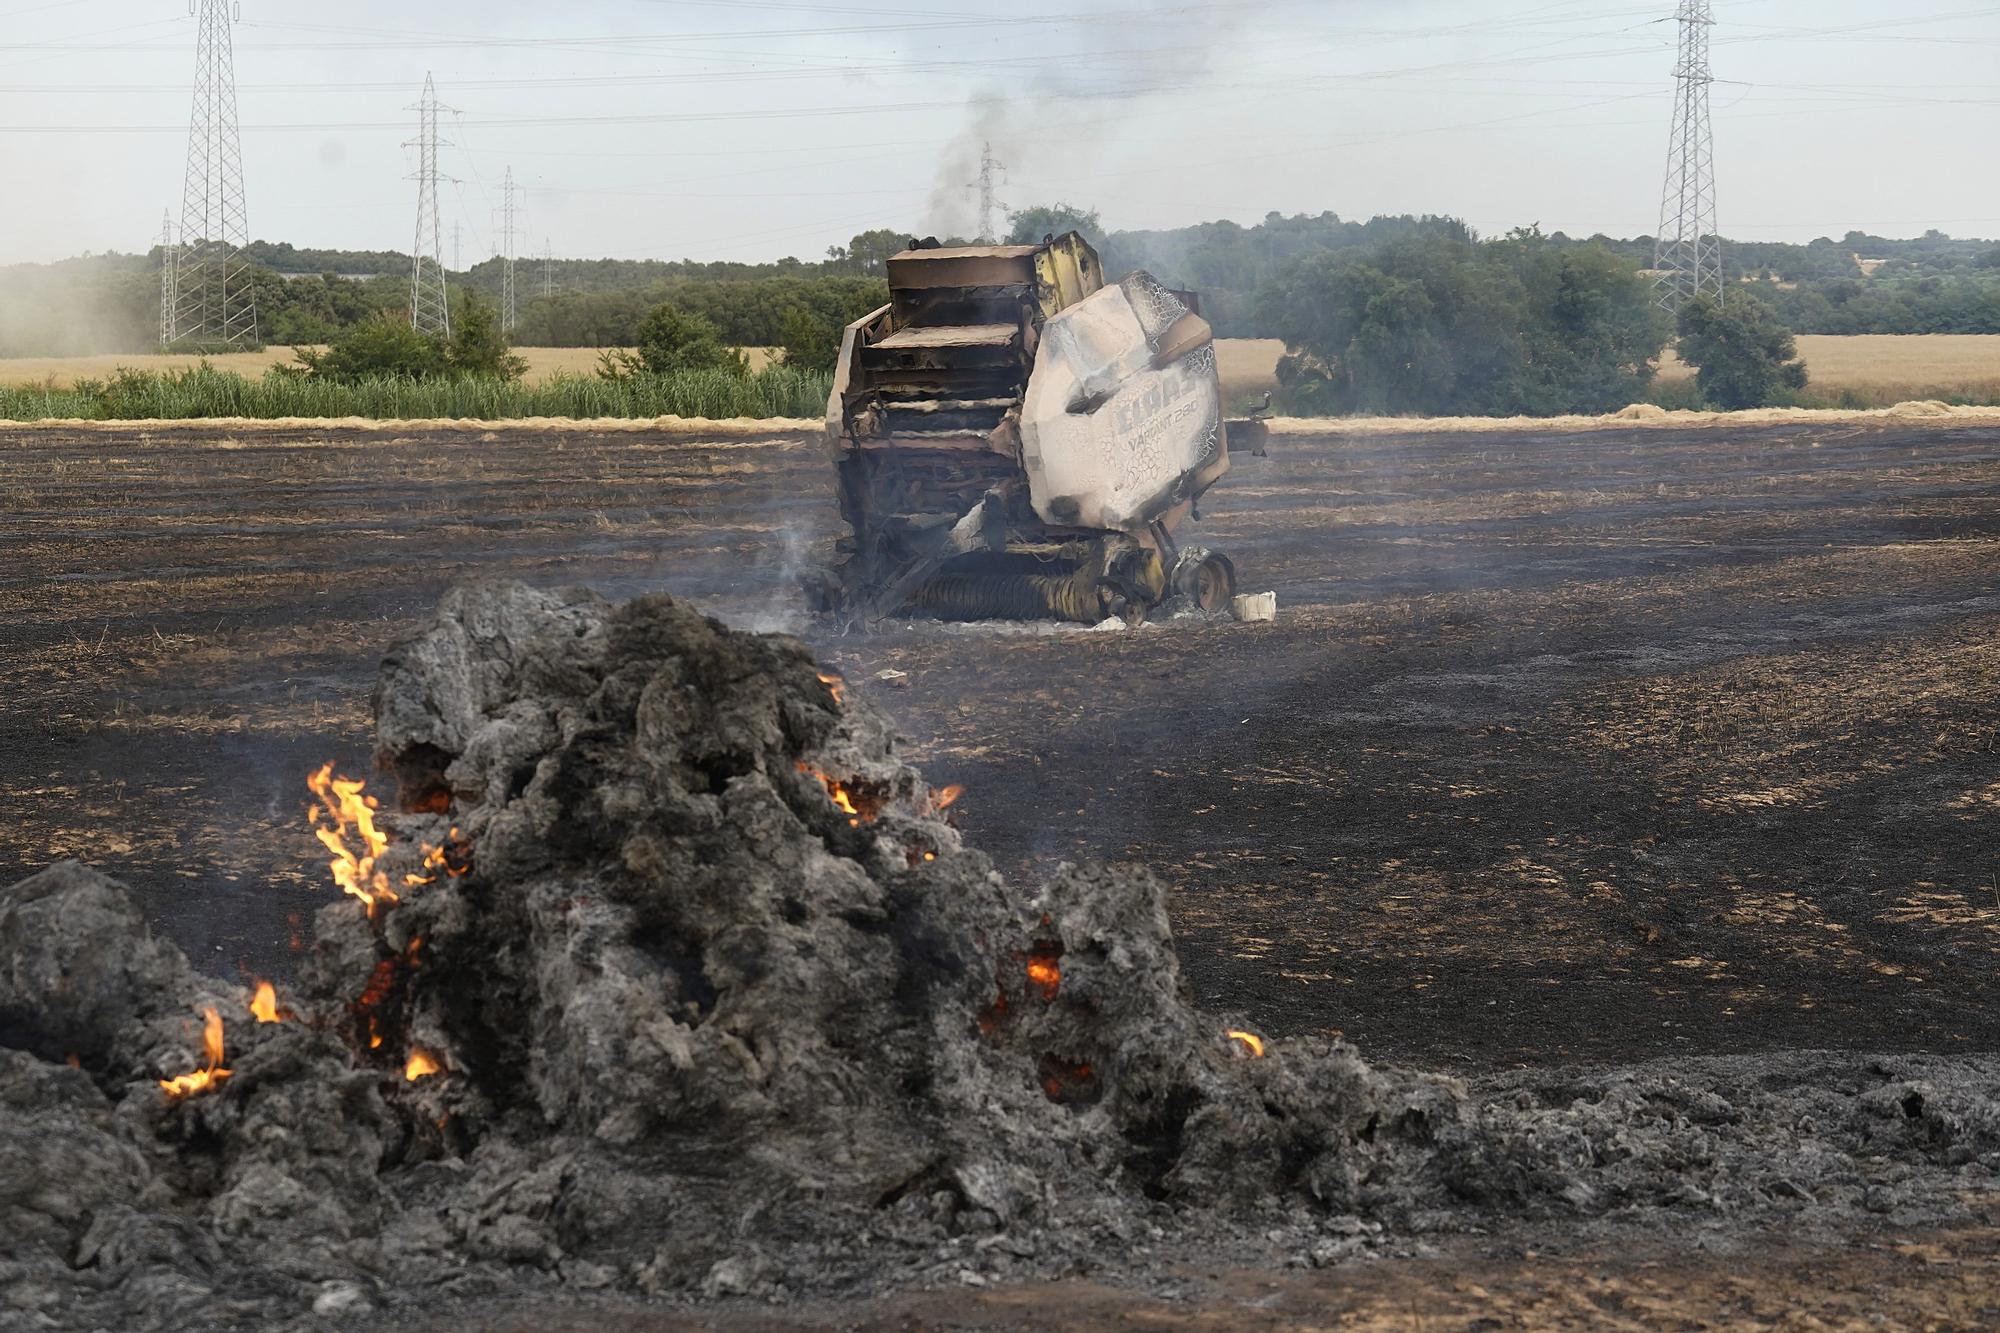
{"type": "Point", "coordinates": [1210, 584]}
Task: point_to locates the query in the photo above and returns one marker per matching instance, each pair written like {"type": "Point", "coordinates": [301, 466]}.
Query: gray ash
{"type": "Point", "coordinates": [708, 999]}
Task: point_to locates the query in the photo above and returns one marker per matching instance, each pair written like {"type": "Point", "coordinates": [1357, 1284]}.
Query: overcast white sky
{"type": "Point", "coordinates": [748, 129]}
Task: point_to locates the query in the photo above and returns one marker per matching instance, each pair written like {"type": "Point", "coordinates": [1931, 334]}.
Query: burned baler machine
{"type": "Point", "coordinates": [1017, 439]}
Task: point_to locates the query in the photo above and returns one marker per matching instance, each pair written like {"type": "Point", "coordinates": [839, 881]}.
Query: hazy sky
{"type": "Point", "coordinates": [747, 129]}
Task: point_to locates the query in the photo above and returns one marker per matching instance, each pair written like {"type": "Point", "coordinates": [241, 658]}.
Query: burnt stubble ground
{"type": "Point", "coordinates": [1567, 747]}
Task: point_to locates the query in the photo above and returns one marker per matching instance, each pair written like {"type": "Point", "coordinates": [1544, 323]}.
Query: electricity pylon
{"type": "Point", "coordinates": [1688, 254]}
{"type": "Point", "coordinates": [214, 303]}
{"type": "Point", "coordinates": [548, 267]}
{"type": "Point", "coordinates": [509, 310]}
{"type": "Point", "coordinates": [169, 267]}
{"type": "Point", "coordinates": [430, 296]}
{"type": "Point", "coordinates": [989, 202]}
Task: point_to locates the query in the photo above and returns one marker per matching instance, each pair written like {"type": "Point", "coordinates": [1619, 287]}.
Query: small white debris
{"type": "Point", "coordinates": [340, 1298]}
{"type": "Point", "coordinates": [1252, 608]}
{"type": "Point", "coordinates": [733, 1276]}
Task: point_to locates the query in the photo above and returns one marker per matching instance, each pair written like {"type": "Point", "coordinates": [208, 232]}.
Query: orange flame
{"type": "Point", "coordinates": [440, 858]}
{"type": "Point", "coordinates": [947, 798]}
{"type": "Point", "coordinates": [835, 686]}
{"type": "Point", "coordinates": [422, 1065]}
{"type": "Point", "coordinates": [433, 860]}
{"type": "Point", "coordinates": [1250, 1042]}
{"type": "Point", "coordinates": [264, 1004]}
{"type": "Point", "coordinates": [381, 983]}
{"type": "Point", "coordinates": [1045, 975]}
{"type": "Point", "coordinates": [212, 1074]}
{"type": "Point", "coordinates": [1063, 1080]}
{"type": "Point", "coordinates": [354, 871]}
{"type": "Point", "coordinates": [839, 794]}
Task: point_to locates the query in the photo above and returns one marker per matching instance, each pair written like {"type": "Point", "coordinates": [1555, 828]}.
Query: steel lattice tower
{"type": "Point", "coordinates": [430, 296]}
{"type": "Point", "coordinates": [169, 271]}
{"type": "Point", "coordinates": [1688, 254]}
{"type": "Point", "coordinates": [989, 202]}
{"type": "Point", "coordinates": [509, 310]}
{"type": "Point", "coordinates": [548, 268]}
{"type": "Point", "coordinates": [214, 303]}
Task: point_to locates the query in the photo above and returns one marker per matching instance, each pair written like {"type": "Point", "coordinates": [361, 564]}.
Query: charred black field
{"type": "Point", "coordinates": [1568, 748]}
{"type": "Point", "coordinates": [1600, 745]}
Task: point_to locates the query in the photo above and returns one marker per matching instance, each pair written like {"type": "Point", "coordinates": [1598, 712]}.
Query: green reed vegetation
{"type": "Point", "coordinates": [203, 392]}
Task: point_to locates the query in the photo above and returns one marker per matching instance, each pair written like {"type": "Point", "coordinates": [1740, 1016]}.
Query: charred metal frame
{"type": "Point", "coordinates": [924, 426]}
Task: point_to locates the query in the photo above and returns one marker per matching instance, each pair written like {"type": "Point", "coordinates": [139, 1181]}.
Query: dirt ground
{"type": "Point", "coordinates": [1936, 1282]}
{"type": "Point", "coordinates": [1567, 747]}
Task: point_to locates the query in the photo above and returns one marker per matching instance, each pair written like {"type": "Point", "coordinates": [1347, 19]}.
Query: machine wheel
{"type": "Point", "coordinates": [1206, 578]}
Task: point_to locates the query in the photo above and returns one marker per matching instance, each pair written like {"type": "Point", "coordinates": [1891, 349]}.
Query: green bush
{"type": "Point", "coordinates": [1742, 356]}
{"type": "Point", "coordinates": [672, 340]}
{"type": "Point", "coordinates": [387, 345]}
{"type": "Point", "coordinates": [477, 345]}
{"type": "Point", "coordinates": [384, 346]}
{"type": "Point", "coordinates": [204, 392]}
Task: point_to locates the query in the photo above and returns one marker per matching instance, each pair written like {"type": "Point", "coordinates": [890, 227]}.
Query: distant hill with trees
{"type": "Point", "coordinates": [1859, 283]}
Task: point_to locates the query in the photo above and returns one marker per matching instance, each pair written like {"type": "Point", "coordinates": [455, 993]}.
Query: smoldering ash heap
{"type": "Point", "coordinates": [663, 972]}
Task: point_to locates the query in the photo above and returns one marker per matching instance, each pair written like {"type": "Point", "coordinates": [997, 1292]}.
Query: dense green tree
{"type": "Point", "coordinates": [746, 313]}
{"type": "Point", "coordinates": [869, 253]}
{"type": "Point", "coordinates": [298, 328]}
{"type": "Point", "coordinates": [1027, 226]}
{"type": "Point", "coordinates": [1228, 264]}
{"type": "Point", "coordinates": [477, 346]}
{"type": "Point", "coordinates": [283, 257]}
{"type": "Point", "coordinates": [1742, 356]}
{"type": "Point", "coordinates": [1589, 327]}
{"type": "Point", "coordinates": [810, 341]}
{"type": "Point", "coordinates": [1433, 321]}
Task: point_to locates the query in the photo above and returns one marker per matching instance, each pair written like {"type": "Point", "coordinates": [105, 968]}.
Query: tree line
{"type": "Point", "coordinates": [110, 303]}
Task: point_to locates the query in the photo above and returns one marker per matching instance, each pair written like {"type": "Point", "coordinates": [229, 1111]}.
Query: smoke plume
{"type": "Point", "coordinates": [1058, 114]}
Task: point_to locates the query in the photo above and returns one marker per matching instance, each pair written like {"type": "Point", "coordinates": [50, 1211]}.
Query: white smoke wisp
{"type": "Point", "coordinates": [1163, 49]}
{"type": "Point", "coordinates": [783, 611]}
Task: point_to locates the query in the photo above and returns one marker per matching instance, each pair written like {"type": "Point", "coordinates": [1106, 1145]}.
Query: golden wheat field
{"type": "Point", "coordinates": [1871, 361]}
{"type": "Point", "coordinates": [1880, 369]}
{"type": "Point", "coordinates": [1958, 362]}
{"type": "Point", "coordinates": [1247, 365]}
{"type": "Point", "coordinates": [1885, 366]}
{"type": "Point", "coordinates": [63, 371]}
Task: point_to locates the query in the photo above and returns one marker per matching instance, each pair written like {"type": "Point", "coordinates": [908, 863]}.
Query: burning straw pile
{"type": "Point", "coordinates": [661, 972]}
